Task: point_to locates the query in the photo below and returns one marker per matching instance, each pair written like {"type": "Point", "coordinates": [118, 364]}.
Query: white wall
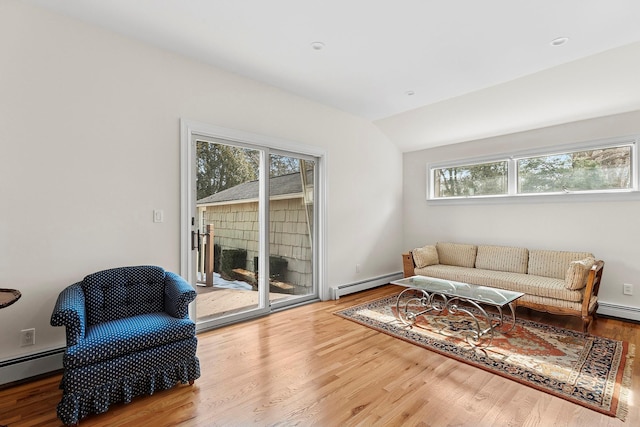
{"type": "Point", "coordinates": [598, 85]}
{"type": "Point", "coordinates": [608, 229]}
{"type": "Point", "coordinates": [89, 137]}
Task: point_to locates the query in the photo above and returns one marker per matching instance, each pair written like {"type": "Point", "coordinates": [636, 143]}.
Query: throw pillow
{"type": "Point", "coordinates": [577, 273]}
{"type": "Point", "coordinates": [427, 255]}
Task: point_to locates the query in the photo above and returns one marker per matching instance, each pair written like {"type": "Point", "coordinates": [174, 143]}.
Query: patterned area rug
{"type": "Point", "coordinates": [591, 371]}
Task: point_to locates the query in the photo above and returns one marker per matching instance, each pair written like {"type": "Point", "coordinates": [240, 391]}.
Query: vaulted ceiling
{"type": "Point", "coordinates": [426, 72]}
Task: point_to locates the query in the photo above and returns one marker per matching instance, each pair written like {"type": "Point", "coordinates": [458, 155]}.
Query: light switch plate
{"type": "Point", "coordinates": [158, 215]}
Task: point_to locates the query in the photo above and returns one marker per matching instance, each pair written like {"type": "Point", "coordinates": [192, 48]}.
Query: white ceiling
{"type": "Point", "coordinates": [457, 56]}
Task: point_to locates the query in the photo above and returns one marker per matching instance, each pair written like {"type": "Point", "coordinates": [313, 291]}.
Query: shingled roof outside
{"type": "Point", "coordinates": [279, 186]}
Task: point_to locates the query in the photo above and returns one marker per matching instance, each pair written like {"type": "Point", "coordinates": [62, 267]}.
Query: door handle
{"type": "Point", "coordinates": [195, 240]}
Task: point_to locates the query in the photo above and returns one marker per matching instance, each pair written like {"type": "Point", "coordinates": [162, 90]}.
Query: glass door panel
{"type": "Point", "coordinates": [228, 223]}
{"type": "Point", "coordinates": [291, 229]}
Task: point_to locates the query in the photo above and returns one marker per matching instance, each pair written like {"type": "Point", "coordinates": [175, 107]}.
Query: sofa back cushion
{"type": "Point", "coordinates": [502, 258]}
{"type": "Point", "coordinates": [123, 292]}
{"type": "Point", "coordinates": [457, 254]}
{"type": "Point", "coordinates": [553, 263]}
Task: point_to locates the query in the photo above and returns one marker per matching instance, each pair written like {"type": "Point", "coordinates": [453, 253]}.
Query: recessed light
{"type": "Point", "coordinates": [559, 41]}
{"type": "Point", "coordinates": [317, 45]}
{"type": "Point", "coordinates": [409, 93]}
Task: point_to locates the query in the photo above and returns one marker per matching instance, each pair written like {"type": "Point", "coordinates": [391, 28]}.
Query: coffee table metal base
{"type": "Point", "coordinates": [415, 302]}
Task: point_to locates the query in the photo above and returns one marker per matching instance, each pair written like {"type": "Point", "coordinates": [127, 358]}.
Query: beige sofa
{"type": "Point", "coordinates": [557, 282]}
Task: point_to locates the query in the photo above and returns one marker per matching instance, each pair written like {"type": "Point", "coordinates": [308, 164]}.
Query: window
{"type": "Point", "coordinates": [597, 167]}
{"type": "Point", "coordinates": [590, 170]}
{"type": "Point", "coordinates": [483, 179]}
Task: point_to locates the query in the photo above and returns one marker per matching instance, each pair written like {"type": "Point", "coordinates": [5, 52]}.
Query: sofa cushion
{"type": "Point", "coordinates": [123, 292]}
{"type": "Point", "coordinates": [553, 263]}
{"type": "Point", "coordinates": [578, 273]}
{"type": "Point", "coordinates": [424, 256]}
{"type": "Point", "coordinates": [502, 258]}
{"type": "Point", "coordinates": [526, 283]}
{"type": "Point", "coordinates": [558, 303]}
{"type": "Point", "coordinates": [457, 254]}
{"type": "Point", "coordinates": [115, 338]}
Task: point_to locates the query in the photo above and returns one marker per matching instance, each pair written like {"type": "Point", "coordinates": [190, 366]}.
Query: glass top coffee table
{"type": "Point", "coordinates": [428, 294]}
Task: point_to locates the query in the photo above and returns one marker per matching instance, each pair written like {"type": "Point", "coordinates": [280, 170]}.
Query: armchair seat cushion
{"type": "Point", "coordinates": [116, 338]}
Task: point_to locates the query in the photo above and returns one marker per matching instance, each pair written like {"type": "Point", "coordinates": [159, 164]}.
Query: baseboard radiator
{"type": "Point", "coordinates": [349, 288]}
{"type": "Point", "coordinates": [620, 311]}
{"type": "Point", "coordinates": [29, 366]}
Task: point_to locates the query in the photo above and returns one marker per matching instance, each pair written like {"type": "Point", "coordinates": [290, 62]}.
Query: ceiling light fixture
{"type": "Point", "coordinates": [559, 41]}
{"type": "Point", "coordinates": [410, 93]}
{"type": "Point", "coordinates": [317, 45]}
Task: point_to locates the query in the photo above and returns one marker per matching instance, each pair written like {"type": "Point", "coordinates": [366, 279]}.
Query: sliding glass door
{"type": "Point", "coordinates": [253, 234]}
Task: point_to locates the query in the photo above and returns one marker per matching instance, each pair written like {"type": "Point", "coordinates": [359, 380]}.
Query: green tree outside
{"type": "Point", "coordinates": [221, 166]}
{"type": "Point", "coordinates": [600, 169]}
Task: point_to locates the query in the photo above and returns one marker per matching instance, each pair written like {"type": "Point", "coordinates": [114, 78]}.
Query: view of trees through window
{"type": "Point", "coordinates": [602, 169]}
{"type": "Point", "coordinates": [221, 166]}
{"type": "Point", "coordinates": [483, 179]}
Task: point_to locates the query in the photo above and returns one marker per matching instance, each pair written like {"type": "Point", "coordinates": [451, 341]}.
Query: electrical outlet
{"type": "Point", "coordinates": [627, 289]}
{"type": "Point", "coordinates": [27, 337]}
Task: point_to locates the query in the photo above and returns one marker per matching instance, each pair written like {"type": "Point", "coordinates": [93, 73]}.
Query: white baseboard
{"type": "Point", "coordinates": [349, 288]}
{"type": "Point", "coordinates": [619, 311]}
{"type": "Point", "coordinates": [30, 366]}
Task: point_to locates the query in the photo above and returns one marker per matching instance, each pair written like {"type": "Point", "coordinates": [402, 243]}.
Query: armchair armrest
{"type": "Point", "coordinates": [178, 293]}
{"type": "Point", "coordinates": [69, 312]}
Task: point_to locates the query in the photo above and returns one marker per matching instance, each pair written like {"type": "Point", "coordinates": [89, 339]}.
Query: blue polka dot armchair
{"type": "Point", "coordinates": [128, 333]}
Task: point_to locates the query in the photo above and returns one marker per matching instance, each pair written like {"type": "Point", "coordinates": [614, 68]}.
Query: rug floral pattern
{"type": "Point", "coordinates": [588, 370]}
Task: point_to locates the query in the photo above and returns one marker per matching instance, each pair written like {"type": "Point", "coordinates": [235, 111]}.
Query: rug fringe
{"type": "Point", "coordinates": [625, 387]}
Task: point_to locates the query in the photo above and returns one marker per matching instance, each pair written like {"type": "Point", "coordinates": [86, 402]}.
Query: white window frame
{"type": "Point", "coordinates": [512, 179]}
{"type": "Point", "coordinates": [471, 162]}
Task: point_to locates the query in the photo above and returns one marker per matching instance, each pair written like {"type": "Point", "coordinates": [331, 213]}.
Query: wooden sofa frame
{"type": "Point", "coordinates": [591, 290]}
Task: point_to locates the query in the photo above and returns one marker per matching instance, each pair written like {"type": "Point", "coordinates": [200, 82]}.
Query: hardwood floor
{"type": "Point", "coordinates": [306, 366]}
{"type": "Point", "coordinates": [217, 302]}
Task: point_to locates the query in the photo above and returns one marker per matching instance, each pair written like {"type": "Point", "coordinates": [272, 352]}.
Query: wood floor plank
{"type": "Point", "coordinates": [306, 366]}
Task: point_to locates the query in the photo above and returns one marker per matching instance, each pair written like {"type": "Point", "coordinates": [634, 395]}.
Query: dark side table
{"type": "Point", "coordinates": [8, 297]}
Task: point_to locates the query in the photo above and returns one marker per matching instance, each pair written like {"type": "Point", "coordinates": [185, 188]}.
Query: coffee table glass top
{"type": "Point", "coordinates": [450, 288]}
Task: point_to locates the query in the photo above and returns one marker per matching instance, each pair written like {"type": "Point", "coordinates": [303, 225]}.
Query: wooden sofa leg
{"type": "Point", "coordinates": [191, 382]}
{"type": "Point", "coordinates": [586, 321]}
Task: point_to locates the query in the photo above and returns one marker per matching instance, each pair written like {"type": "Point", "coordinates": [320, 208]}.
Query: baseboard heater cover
{"type": "Point", "coordinates": [29, 366]}
{"type": "Point", "coordinates": [349, 288]}
{"type": "Point", "coordinates": [619, 311]}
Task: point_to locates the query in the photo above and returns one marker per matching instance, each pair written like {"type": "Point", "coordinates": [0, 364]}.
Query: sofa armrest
{"type": "Point", "coordinates": [70, 312]}
{"type": "Point", "coordinates": [408, 265]}
{"type": "Point", "coordinates": [178, 293]}
{"type": "Point", "coordinates": [593, 286]}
